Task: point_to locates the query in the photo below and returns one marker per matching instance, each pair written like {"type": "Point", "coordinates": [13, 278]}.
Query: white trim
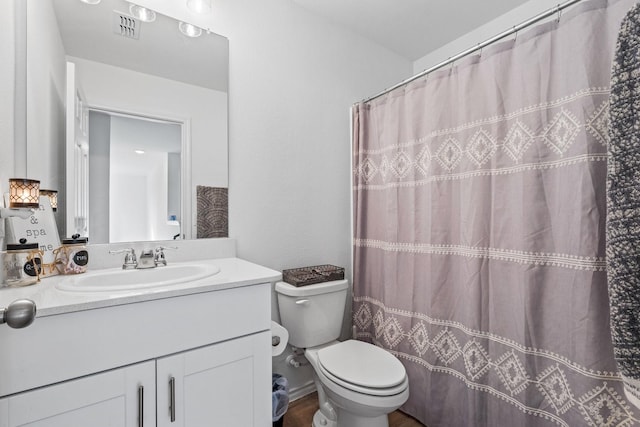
{"type": "Point", "coordinates": [302, 391]}
{"type": "Point", "coordinates": [188, 194]}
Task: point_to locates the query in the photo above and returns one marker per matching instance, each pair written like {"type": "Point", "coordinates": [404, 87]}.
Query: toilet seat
{"type": "Point", "coordinates": [363, 368]}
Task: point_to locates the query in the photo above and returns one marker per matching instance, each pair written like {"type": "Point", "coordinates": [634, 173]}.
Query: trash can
{"type": "Point", "coordinates": [279, 399]}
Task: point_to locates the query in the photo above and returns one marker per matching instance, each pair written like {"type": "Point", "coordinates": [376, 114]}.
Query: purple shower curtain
{"type": "Point", "coordinates": [479, 203]}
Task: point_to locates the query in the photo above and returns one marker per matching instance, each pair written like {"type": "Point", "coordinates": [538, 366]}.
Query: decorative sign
{"type": "Point", "coordinates": [38, 228]}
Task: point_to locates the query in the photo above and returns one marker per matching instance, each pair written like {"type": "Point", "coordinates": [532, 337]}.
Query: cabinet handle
{"type": "Point", "coordinates": [140, 406]}
{"type": "Point", "coordinates": [172, 398]}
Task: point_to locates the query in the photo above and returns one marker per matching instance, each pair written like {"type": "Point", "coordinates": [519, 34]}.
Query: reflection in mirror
{"type": "Point", "coordinates": [156, 74]}
{"type": "Point", "coordinates": [140, 161]}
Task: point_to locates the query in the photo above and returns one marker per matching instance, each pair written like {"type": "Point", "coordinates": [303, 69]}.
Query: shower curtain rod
{"type": "Point", "coordinates": [515, 29]}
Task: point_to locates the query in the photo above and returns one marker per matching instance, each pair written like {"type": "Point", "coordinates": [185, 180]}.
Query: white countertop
{"type": "Point", "coordinates": [234, 272]}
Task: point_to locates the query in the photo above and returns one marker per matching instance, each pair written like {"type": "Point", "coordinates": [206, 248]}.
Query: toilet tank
{"type": "Point", "coordinates": [312, 314]}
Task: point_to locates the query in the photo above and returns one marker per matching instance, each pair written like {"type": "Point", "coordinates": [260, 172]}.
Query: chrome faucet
{"type": "Point", "coordinates": [146, 259]}
{"type": "Point", "coordinates": [149, 258]}
{"type": "Point", "coordinates": [130, 260]}
{"type": "Point", "coordinates": [159, 258]}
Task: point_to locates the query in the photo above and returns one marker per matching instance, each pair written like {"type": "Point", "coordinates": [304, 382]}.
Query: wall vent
{"type": "Point", "coordinates": [126, 26]}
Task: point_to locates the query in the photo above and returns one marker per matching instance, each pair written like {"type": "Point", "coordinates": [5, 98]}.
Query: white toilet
{"type": "Point", "coordinates": [358, 383]}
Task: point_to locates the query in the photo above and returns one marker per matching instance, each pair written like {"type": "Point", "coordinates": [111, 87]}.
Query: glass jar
{"type": "Point", "coordinates": [72, 257]}
{"type": "Point", "coordinates": [22, 263]}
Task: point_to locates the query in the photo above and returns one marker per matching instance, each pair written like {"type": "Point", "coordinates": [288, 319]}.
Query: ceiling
{"type": "Point", "coordinates": [87, 32]}
{"type": "Point", "coordinates": [411, 28]}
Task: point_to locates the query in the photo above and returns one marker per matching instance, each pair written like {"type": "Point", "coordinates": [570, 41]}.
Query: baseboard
{"type": "Point", "coordinates": [302, 391]}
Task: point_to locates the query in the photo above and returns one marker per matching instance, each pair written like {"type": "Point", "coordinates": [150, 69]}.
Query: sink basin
{"type": "Point", "coordinates": [129, 280]}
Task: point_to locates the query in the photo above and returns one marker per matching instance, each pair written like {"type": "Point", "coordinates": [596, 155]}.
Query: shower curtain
{"type": "Point", "coordinates": [479, 230]}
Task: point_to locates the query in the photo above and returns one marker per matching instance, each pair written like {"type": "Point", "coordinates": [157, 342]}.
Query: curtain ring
{"type": "Point", "coordinates": [515, 33]}
{"type": "Point", "coordinates": [559, 13]}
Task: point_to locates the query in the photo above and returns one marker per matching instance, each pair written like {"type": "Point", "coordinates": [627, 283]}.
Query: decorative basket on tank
{"type": "Point", "coordinates": [310, 275]}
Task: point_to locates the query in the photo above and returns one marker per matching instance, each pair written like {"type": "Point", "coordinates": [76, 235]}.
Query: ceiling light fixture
{"type": "Point", "coordinates": [199, 6]}
{"type": "Point", "coordinates": [138, 151]}
{"type": "Point", "coordinates": [91, 1]}
{"type": "Point", "coordinates": [189, 30]}
{"type": "Point", "coordinates": [142, 13]}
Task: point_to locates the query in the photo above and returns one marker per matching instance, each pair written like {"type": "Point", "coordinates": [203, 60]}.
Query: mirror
{"type": "Point", "coordinates": [93, 69]}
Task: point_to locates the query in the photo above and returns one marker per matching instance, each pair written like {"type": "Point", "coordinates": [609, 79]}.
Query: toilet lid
{"type": "Point", "coordinates": [362, 364]}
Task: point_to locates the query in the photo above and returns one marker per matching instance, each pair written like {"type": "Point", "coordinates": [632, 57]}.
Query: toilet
{"type": "Point", "coordinates": [358, 383]}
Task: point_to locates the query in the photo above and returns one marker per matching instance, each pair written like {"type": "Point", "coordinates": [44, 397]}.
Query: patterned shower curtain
{"type": "Point", "coordinates": [479, 203]}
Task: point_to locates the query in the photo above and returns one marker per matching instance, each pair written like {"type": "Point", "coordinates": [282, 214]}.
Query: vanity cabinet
{"type": "Point", "coordinates": [111, 399]}
{"type": "Point", "coordinates": [202, 359]}
{"type": "Point", "coordinates": [213, 386]}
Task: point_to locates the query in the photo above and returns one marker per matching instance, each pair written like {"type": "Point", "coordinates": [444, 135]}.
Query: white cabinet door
{"type": "Point", "coordinates": [226, 384]}
{"type": "Point", "coordinates": [111, 399]}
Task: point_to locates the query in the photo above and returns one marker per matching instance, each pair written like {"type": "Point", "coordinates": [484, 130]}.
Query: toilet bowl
{"type": "Point", "coordinates": [358, 383]}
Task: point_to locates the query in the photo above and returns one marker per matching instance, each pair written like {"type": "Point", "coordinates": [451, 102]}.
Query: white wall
{"type": "Point", "coordinates": [44, 104]}
{"type": "Point", "coordinates": [293, 78]}
{"type": "Point", "coordinates": [119, 89]}
{"type": "Point", "coordinates": [46, 80]}
{"type": "Point", "coordinates": [139, 183]}
{"type": "Point", "coordinates": [99, 164]}
{"type": "Point", "coordinates": [137, 195]}
{"type": "Point", "coordinates": [7, 51]}
{"type": "Point", "coordinates": [502, 23]}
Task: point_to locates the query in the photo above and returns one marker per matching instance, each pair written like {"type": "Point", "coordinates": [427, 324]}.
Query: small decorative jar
{"type": "Point", "coordinates": [72, 257]}
{"type": "Point", "coordinates": [22, 263]}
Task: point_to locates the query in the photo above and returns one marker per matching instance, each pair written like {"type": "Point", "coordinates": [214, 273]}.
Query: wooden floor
{"type": "Point", "coordinates": [300, 414]}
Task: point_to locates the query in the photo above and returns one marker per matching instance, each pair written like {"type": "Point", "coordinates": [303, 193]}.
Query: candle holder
{"type": "Point", "coordinates": [24, 198]}
{"type": "Point", "coordinates": [53, 198]}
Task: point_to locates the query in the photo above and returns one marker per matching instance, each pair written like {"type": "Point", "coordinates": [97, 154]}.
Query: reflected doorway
{"type": "Point", "coordinates": [134, 178]}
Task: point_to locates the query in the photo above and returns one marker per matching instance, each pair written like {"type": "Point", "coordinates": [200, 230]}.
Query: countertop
{"type": "Point", "coordinates": [234, 272]}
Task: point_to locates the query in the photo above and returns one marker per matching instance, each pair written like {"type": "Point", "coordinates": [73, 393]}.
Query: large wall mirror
{"type": "Point", "coordinates": [125, 118]}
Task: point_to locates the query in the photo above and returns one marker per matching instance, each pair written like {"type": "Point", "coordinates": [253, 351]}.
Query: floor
{"type": "Point", "coordinates": [300, 414]}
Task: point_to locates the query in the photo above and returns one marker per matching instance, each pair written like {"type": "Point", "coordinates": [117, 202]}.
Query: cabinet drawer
{"type": "Point", "coordinates": [58, 348]}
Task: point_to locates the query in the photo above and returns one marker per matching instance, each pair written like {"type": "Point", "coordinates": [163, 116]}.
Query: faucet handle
{"type": "Point", "coordinates": [130, 260]}
{"type": "Point", "coordinates": [159, 258]}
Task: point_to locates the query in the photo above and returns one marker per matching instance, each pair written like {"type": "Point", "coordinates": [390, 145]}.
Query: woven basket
{"type": "Point", "coordinates": [310, 275]}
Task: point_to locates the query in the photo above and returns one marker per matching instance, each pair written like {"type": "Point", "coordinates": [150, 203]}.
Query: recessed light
{"type": "Point", "coordinates": [91, 1]}
{"type": "Point", "coordinates": [142, 13]}
{"type": "Point", "coordinates": [199, 6]}
{"type": "Point", "coordinates": [139, 151]}
{"type": "Point", "coordinates": [189, 30]}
